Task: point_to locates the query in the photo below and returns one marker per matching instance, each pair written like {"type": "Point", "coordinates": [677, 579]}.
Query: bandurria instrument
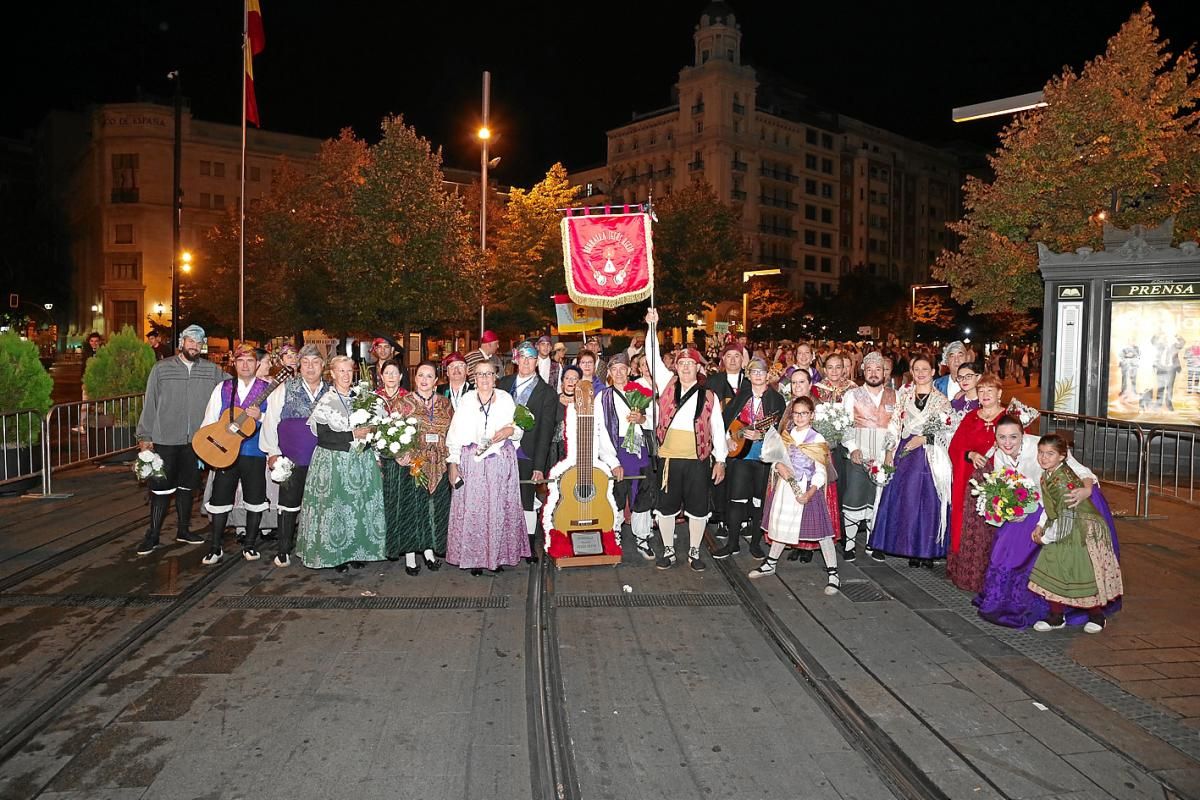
{"type": "Point", "coordinates": [737, 430]}
{"type": "Point", "coordinates": [218, 444]}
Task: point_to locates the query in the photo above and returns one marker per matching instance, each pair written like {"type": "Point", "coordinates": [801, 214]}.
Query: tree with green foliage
{"type": "Point", "coordinates": [24, 384]}
{"type": "Point", "coordinates": [367, 238]}
{"type": "Point", "coordinates": [699, 253]}
{"type": "Point", "coordinates": [527, 262]}
{"type": "Point", "coordinates": [120, 366]}
{"type": "Point", "coordinates": [1117, 143]}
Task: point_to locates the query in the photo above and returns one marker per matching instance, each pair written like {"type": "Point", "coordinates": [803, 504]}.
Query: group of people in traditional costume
{"type": "Point", "coordinates": [736, 447]}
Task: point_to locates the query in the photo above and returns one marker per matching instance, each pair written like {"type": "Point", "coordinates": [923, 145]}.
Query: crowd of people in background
{"type": "Point", "coordinates": [731, 445]}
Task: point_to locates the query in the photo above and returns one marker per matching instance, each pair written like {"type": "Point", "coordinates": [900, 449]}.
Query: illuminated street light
{"type": "Point", "coordinates": [996, 108]}
{"type": "Point", "coordinates": [48, 306]}
{"type": "Point", "coordinates": [185, 261]}
{"type": "Point", "coordinates": [484, 134]}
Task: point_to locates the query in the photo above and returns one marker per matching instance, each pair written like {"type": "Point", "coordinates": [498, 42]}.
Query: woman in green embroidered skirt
{"type": "Point", "coordinates": [416, 494]}
{"type": "Point", "coordinates": [341, 516]}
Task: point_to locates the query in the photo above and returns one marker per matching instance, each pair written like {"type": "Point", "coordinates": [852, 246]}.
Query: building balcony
{"type": "Point", "coordinates": [782, 263]}
{"type": "Point", "coordinates": [695, 166]}
{"type": "Point", "coordinates": [665, 172]}
{"type": "Point", "coordinates": [778, 230]}
{"type": "Point", "coordinates": [738, 108]}
{"type": "Point", "coordinates": [777, 202]}
{"type": "Point", "coordinates": [738, 195]}
{"type": "Point", "coordinates": [698, 108]}
{"type": "Point", "coordinates": [778, 175]}
{"type": "Point", "coordinates": [124, 195]}
{"type": "Point", "coordinates": [740, 166]}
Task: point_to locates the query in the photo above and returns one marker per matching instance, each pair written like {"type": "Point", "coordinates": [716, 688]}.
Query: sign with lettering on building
{"type": "Point", "coordinates": [1156, 291]}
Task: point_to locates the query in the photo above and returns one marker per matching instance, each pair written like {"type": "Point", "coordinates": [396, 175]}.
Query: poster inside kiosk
{"type": "Point", "coordinates": [1154, 353]}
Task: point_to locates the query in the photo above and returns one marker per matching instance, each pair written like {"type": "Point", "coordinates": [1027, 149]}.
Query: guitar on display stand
{"type": "Point", "coordinates": [219, 443]}
{"type": "Point", "coordinates": [737, 432]}
{"type": "Point", "coordinates": [580, 505]}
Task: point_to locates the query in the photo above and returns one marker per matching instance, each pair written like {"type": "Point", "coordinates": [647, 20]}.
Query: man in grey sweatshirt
{"type": "Point", "coordinates": [177, 393]}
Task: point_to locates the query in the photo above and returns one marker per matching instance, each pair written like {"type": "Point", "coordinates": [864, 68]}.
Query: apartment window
{"type": "Point", "coordinates": [810, 161]}
{"type": "Point", "coordinates": [827, 166]}
{"type": "Point", "coordinates": [883, 174]}
{"type": "Point", "coordinates": [827, 216]}
{"type": "Point", "coordinates": [206, 168]}
{"type": "Point", "coordinates": [810, 136]}
{"type": "Point", "coordinates": [125, 314]}
{"type": "Point", "coordinates": [827, 240]}
{"type": "Point", "coordinates": [634, 146]}
{"type": "Point", "coordinates": [826, 290]}
{"type": "Point", "coordinates": [810, 186]}
{"type": "Point", "coordinates": [810, 237]}
{"type": "Point", "coordinates": [620, 146]}
{"type": "Point", "coordinates": [846, 216]}
{"type": "Point", "coordinates": [125, 178]}
{"type": "Point", "coordinates": [810, 287]}
{"type": "Point", "coordinates": [125, 268]}
{"type": "Point", "coordinates": [123, 234]}
{"type": "Point", "coordinates": [653, 138]}
{"type": "Point", "coordinates": [827, 141]}
{"type": "Point", "coordinates": [810, 263]}
{"type": "Point", "coordinates": [255, 174]}
{"type": "Point", "coordinates": [205, 200]}
{"type": "Point", "coordinates": [826, 264]}
{"type": "Point", "coordinates": [810, 212]}
{"type": "Point", "coordinates": [827, 190]}
{"type": "Point", "coordinates": [218, 201]}
{"type": "Point", "coordinates": [703, 56]}
{"type": "Point", "coordinates": [218, 169]}
{"type": "Point", "coordinates": [729, 55]}
{"type": "Point", "coordinates": [699, 126]}
{"type": "Point", "coordinates": [845, 241]}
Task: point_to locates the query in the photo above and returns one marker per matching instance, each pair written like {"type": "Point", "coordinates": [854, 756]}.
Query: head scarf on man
{"type": "Point", "coordinates": [524, 349]}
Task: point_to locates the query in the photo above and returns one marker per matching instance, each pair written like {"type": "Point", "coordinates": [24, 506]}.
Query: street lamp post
{"type": "Point", "coordinates": [176, 206]}
{"type": "Point", "coordinates": [485, 135]}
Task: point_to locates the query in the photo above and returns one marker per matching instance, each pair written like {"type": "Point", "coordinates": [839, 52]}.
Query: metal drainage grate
{"type": "Point", "coordinates": [644, 600]}
{"type": "Point", "coordinates": [82, 601]}
{"type": "Point", "coordinates": [860, 591]}
{"type": "Point", "coordinates": [363, 603]}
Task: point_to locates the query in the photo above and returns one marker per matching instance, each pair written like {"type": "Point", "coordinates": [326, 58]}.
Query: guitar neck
{"type": "Point", "coordinates": [257, 398]}
{"type": "Point", "coordinates": [584, 456]}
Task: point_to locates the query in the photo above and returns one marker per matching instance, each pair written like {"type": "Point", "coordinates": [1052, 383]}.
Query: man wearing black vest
{"type": "Point", "coordinates": [533, 456]}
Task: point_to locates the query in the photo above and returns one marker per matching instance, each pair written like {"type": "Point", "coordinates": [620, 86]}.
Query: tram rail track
{"type": "Point", "coordinates": [15, 734]}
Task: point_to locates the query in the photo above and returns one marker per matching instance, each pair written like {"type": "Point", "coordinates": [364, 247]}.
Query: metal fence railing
{"type": "Point", "coordinates": [21, 441]}
{"type": "Point", "coordinates": [1171, 462]}
{"type": "Point", "coordinates": [68, 435]}
{"type": "Point", "coordinates": [1158, 460]}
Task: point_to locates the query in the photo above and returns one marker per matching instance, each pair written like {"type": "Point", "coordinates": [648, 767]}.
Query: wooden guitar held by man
{"type": "Point", "coordinates": [219, 443]}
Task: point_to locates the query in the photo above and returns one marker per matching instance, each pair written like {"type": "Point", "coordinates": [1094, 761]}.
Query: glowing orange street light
{"type": "Point", "coordinates": [185, 259]}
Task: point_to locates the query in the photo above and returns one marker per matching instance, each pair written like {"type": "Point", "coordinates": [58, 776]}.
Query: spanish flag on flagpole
{"type": "Point", "coordinates": [255, 41]}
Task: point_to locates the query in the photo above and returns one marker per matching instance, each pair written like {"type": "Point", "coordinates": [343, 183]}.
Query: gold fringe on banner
{"type": "Point", "coordinates": [603, 301]}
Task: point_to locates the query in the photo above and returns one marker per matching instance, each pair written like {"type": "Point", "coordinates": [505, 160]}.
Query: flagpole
{"type": "Point", "coordinates": [242, 190]}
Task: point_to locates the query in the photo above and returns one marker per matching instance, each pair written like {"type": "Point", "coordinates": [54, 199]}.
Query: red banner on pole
{"type": "Point", "coordinates": [609, 259]}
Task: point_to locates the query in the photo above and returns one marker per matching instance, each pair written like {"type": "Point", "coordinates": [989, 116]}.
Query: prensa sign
{"type": "Point", "coordinates": [1157, 291]}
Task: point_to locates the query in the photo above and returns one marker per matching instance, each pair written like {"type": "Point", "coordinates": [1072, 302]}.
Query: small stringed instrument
{"type": "Point", "coordinates": [737, 432]}
{"type": "Point", "coordinates": [218, 444]}
{"type": "Point", "coordinates": [583, 503]}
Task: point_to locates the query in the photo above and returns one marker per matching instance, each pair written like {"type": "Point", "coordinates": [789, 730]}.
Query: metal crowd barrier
{"type": "Point", "coordinates": [1171, 462]}
{"type": "Point", "coordinates": [21, 441]}
{"type": "Point", "coordinates": [73, 434]}
{"type": "Point", "coordinates": [1152, 460]}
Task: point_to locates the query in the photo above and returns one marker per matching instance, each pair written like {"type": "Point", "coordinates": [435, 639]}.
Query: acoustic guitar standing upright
{"type": "Point", "coordinates": [219, 443]}
{"type": "Point", "coordinates": [583, 490]}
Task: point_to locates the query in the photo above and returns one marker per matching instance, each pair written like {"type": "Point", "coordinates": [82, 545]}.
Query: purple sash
{"type": "Point", "coordinates": [296, 441]}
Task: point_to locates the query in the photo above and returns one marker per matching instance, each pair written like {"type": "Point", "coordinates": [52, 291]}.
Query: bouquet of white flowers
{"type": "Point", "coordinates": [364, 405]}
{"type": "Point", "coordinates": [832, 421]}
{"type": "Point", "coordinates": [879, 472]}
{"type": "Point", "coordinates": [394, 435]}
{"type": "Point", "coordinates": [148, 464]}
{"type": "Point", "coordinates": [282, 469]}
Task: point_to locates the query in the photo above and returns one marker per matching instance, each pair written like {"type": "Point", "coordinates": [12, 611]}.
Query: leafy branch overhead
{"type": "Point", "coordinates": [1117, 142]}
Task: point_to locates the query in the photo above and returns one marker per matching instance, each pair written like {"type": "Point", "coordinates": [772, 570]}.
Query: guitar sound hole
{"type": "Point", "coordinates": [585, 493]}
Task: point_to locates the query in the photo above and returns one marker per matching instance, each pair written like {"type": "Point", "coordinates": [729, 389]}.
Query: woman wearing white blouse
{"type": "Point", "coordinates": [487, 523]}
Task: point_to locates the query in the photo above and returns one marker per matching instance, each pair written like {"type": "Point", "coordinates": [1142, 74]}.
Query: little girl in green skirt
{"type": "Point", "coordinates": [1076, 566]}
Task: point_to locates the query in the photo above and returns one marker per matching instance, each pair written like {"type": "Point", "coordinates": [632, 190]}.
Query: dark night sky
{"type": "Point", "coordinates": [561, 74]}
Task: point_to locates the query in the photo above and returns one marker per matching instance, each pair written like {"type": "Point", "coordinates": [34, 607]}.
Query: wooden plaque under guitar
{"type": "Point", "coordinates": [219, 443]}
{"type": "Point", "coordinates": [583, 490]}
